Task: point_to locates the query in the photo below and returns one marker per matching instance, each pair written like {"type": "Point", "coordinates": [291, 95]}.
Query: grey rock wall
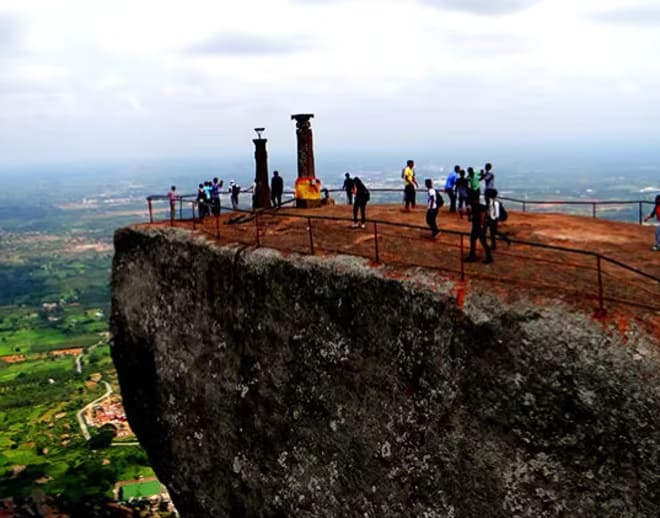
{"type": "Point", "coordinates": [266, 385]}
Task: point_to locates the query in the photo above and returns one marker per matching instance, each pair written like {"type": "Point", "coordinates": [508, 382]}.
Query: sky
{"type": "Point", "coordinates": [87, 79]}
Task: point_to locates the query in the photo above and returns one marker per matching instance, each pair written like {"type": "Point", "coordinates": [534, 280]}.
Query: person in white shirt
{"type": "Point", "coordinates": [431, 207]}
{"type": "Point", "coordinates": [493, 210]}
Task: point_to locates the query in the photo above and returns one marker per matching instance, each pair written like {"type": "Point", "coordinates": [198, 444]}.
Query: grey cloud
{"type": "Point", "coordinates": [483, 7]}
{"type": "Point", "coordinates": [643, 15]}
{"type": "Point", "coordinates": [246, 44]}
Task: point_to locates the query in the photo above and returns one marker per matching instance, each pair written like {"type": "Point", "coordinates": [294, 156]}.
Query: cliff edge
{"type": "Point", "coordinates": [263, 384]}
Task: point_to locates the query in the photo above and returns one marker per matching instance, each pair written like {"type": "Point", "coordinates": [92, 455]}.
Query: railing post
{"type": "Point", "coordinates": [192, 203]}
{"type": "Point", "coordinates": [311, 239]}
{"type": "Point", "coordinates": [151, 212]}
{"type": "Point", "coordinates": [217, 226]}
{"type": "Point", "coordinates": [640, 212]}
{"type": "Point", "coordinates": [256, 224]}
{"type": "Point", "coordinates": [376, 242]}
{"type": "Point", "coordinates": [601, 305]}
{"type": "Point", "coordinates": [180, 207]}
{"type": "Point", "coordinates": [524, 207]}
{"type": "Point", "coordinates": [593, 210]}
{"type": "Point", "coordinates": [462, 252]}
{"type": "Point", "coordinates": [172, 213]}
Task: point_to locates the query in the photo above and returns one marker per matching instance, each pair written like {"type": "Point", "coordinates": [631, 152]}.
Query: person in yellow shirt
{"type": "Point", "coordinates": [409, 185]}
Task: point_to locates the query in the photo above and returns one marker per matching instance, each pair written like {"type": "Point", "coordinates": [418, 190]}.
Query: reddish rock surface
{"type": "Point", "coordinates": [518, 271]}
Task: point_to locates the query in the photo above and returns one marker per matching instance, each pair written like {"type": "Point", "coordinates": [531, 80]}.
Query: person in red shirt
{"type": "Point", "coordinates": [655, 212]}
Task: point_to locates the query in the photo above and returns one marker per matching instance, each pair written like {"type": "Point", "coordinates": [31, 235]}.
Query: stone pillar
{"type": "Point", "coordinates": [305, 145]}
{"type": "Point", "coordinates": [261, 195]}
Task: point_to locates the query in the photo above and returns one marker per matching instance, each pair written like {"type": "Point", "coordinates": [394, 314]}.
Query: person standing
{"type": "Point", "coordinates": [462, 190]}
{"type": "Point", "coordinates": [431, 207]}
{"type": "Point", "coordinates": [450, 188]}
{"type": "Point", "coordinates": [361, 197]}
{"type": "Point", "coordinates": [276, 189]}
{"type": "Point", "coordinates": [172, 197]}
{"type": "Point", "coordinates": [655, 212]}
{"type": "Point", "coordinates": [234, 191]}
{"type": "Point", "coordinates": [348, 187]}
{"type": "Point", "coordinates": [477, 233]}
{"type": "Point", "coordinates": [409, 185]}
{"type": "Point", "coordinates": [215, 196]}
{"type": "Point", "coordinates": [489, 182]}
{"type": "Point", "coordinates": [202, 201]}
{"type": "Point", "coordinates": [493, 212]}
{"type": "Point", "coordinates": [473, 182]}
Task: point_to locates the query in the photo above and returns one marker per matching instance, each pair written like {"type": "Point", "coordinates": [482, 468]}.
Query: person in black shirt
{"type": "Point", "coordinates": [202, 201]}
{"type": "Point", "coordinates": [361, 198]}
{"type": "Point", "coordinates": [478, 232]}
{"type": "Point", "coordinates": [276, 189]}
{"type": "Point", "coordinates": [348, 187]}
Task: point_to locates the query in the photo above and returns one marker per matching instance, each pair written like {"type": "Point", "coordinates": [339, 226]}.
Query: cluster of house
{"type": "Point", "coordinates": [110, 411]}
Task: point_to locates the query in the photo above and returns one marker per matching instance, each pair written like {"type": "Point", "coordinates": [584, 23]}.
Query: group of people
{"type": "Point", "coordinates": [208, 195]}
{"type": "Point", "coordinates": [463, 188]}
{"type": "Point", "coordinates": [464, 192]}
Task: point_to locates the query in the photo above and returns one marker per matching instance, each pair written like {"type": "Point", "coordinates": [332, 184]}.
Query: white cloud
{"type": "Point", "coordinates": [639, 14]}
{"type": "Point", "coordinates": [161, 77]}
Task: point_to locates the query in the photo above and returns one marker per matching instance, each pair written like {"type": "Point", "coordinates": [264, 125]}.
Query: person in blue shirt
{"type": "Point", "coordinates": [450, 188]}
{"type": "Point", "coordinates": [215, 196]}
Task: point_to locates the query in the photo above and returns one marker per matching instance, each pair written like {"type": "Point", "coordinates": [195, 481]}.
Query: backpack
{"type": "Point", "coordinates": [439, 200]}
{"type": "Point", "coordinates": [503, 213]}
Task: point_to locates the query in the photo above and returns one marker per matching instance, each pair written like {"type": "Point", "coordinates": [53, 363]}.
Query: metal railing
{"type": "Point", "coordinates": [525, 204]}
{"type": "Point", "coordinates": [631, 281]}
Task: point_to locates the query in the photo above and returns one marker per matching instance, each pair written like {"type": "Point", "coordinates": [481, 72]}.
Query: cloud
{"type": "Point", "coordinates": [9, 31]}
{"type": "Point", "coordinates": [641, 15]}
{"type": "Point", "coordinates": [483, 7]}
{"type": "Point", "coordinates": [486, 45]}
{"type": "Point", "coordinates": [245, 44]}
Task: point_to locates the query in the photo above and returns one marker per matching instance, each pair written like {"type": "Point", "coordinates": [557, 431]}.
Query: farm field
{"type": "Point", "coordinates": [55, 360]}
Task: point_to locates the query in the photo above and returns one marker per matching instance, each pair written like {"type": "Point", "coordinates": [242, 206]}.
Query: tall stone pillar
{"type": "Point", "coordinates": [305, 145]}
{"type": "Point", "coordinates": [261, 198]}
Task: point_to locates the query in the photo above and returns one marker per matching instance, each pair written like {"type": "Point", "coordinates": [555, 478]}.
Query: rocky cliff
{"type": "Point", "coordinates": [270, 385]}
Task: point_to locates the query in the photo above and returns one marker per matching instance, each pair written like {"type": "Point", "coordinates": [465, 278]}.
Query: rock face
{"type": "Point", "coordinates": [266, 385]}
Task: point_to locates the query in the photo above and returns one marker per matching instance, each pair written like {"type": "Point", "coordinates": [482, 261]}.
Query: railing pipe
{"type": "Point", "coordinates": [256, 224]}
{"type": "Point", "coordinates": [601, 306]}
{"type": "Point", "coordinates": [462, 252]}
{"type": "Point", "coordinates": [311, 238]}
